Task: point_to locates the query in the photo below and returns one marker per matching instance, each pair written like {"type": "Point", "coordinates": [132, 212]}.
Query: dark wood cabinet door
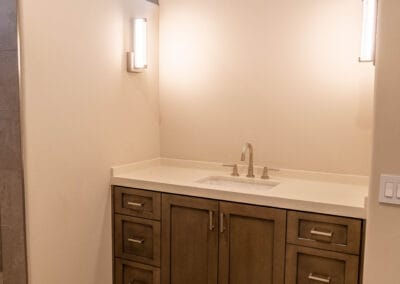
{"type": "Point", "coordinates": [138, 203]}
{"type": "Point", "coordinates": [189, 240]}
{"type": "Point", "coordinates": [137, 239]}
{"type": "Point", "coordinates": [308, 266]}
{"type": "Point", "coordinates": [324, 232]}
{"type": "Point", "coordinates": [251, 244]}
{"type": "Point", "coordinates": [127, 272]}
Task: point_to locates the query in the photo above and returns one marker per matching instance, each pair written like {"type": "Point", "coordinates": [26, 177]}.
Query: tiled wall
{"type": "Point", "coordinates": [12, 221]}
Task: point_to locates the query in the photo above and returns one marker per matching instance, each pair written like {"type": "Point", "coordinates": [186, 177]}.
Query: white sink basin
{"type": "Point", "coordinates": [237, 182]}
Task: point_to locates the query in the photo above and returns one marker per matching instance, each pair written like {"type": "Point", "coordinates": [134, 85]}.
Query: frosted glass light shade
{"type": "Point", "coordinates": [368, 30]}
{"type": "Point", "coordinates": [140, 43]}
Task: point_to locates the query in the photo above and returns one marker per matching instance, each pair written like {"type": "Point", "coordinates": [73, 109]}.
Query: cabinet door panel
{"type": "Point", "coordinates": [138, 203]}
{"type": "Point", "coordinates": [324, 232]}
{"type": "Point", "coordinates": [252, 244]}
{"type": "Point", "coordinates": [307, 266]}
{"type": "Point", "coordinates": [189, 240]}
{"type": "Point", "coordinates": [137, 239]}
{"type": "Point", "coordinates": [127, 272]}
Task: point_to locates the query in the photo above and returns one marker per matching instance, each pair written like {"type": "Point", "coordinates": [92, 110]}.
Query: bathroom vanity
{"type": "Point", "coordinates": [172, 227]}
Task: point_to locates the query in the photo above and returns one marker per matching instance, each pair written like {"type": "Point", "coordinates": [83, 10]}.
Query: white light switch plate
{"type": "Point", "coordinates": [389, 191]}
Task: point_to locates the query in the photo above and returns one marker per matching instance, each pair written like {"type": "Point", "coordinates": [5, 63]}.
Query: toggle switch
{"type": "Point", "coordinates": [389, 189]}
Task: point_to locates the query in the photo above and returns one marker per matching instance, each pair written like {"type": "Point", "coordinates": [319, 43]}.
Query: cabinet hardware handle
{"type": "Point", "coordinates": [136, 240]}
{"type": "Point", "coordinates": [211, 216]}
{"type": "Point", "coordinates": [322, 234]}
{"type": "Point", "coordinates": [319, 279]}
{"type": "Point", "coordinates": [135, 204]}
{"type": "Point", "coordinates": [135, 282]}
{"type": "Point", "coordinates": [221, 222]}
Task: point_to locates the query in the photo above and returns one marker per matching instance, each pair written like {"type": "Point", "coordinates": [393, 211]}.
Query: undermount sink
{"type": "Point", "coordinates": [237, 182]}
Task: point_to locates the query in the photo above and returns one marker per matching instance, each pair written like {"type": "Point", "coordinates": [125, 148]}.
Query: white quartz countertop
{"type": "Point", "coordinates": [334, 194]}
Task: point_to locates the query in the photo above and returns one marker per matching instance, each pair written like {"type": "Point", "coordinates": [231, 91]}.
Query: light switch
{"type": "Point", "coordinates": [389, 189]}
{"type": "Point", "coordinates": [398, 191]}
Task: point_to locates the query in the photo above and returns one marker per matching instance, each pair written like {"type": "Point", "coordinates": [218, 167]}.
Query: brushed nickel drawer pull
{"type": "Point", "coordinates": [136, 240]}
{"type": "Point", "coordinates": [322, 234]}
{"type": "Point", "coordinates": [211, 216]}
{"type": "Point", "coordinates": [221, 222]}
{"type": "Point", "coordinates": [135, 204]}
{"type": "Point", "coordinates": [319, 279]}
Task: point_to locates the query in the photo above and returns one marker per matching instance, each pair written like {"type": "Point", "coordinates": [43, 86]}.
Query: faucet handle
{"type": "Point", "coordinates": [266, 171]}
{"type": "Point", "coordinates": [235, 171]}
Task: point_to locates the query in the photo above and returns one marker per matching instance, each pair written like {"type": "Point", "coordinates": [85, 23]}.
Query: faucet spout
{"type": "Point", "coordinates": [249, 147]}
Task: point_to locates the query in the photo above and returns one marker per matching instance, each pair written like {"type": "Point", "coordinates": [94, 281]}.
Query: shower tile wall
{"type": "Point", "coordinates": [12, 223]}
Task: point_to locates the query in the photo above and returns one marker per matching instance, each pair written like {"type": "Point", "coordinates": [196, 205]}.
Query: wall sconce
{"type": "Point", "coordinates": [137, 59]}
{"type": "Point", "coordinates": [370, 8]}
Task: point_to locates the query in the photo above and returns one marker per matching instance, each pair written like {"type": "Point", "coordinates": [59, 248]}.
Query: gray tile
{"type": "Point", "coordinates": [12, 217]}
{"type": "Point", "coordinates": [13, 226]}
{"type": "Point", "coordinates": [9, 80]}
{"type": "Point", "coordinates": [9, 115]}
{"type": "Point", "coordinates": [8, 25]}
{"type": "Point", "coordinates": [1, 253]}
{"type": "Point", "coordinates": [10, 144]}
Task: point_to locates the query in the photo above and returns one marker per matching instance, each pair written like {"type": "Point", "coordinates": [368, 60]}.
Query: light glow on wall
{"type": "Point", "coordinates": [368, 31]}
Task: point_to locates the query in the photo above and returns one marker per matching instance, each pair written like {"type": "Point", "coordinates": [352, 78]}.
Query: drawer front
{"type": "Point", "coordinates": [127, 272]}
{"type": "Point", "coordinates": [137, 239]}
{"type": "Point", "coordinates": [324, 232]}
{"type": "Point", "coordinates": [139, 203]}
{"type": "Point", "coordinates": [312, 266]}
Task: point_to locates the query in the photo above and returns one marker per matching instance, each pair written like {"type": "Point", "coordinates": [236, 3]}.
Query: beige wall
{"type": "Point", "coordinates": [82, 114]}
{"type": "Point", "coordinates": [383, 228]}
{"type": "Point", "coordinates": [281, 74]}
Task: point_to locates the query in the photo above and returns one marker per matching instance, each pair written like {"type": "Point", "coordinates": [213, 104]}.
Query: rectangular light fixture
{"type": "Point", "coordinates": [370, 8]}
{"type": "Point", "coordinates": [137, 59]}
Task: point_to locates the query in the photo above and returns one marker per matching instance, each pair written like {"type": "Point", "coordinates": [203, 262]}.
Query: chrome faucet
{"type": "Point", "coordinates": [248, 146]}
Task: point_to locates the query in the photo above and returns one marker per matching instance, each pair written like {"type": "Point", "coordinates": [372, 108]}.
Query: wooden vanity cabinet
{"type": "Point", "coordinates": [324, 232]}
{"type": "Point", "coordinates": [209, 242]}
{"type": "Point", "coordinates": [251, 244]}
{"type": "Point", "coordinates": [189, 240]}
{"type": "Point", "coordinates": [173, 239]}
{"type": "Point", "coordinates": [308, 266]}
{"type": "Point", "coordinates": [138, 239]}
{"type": "Point", "coordinates": [127, 272]}
{"type": "Point", "coordinates": [136, 236]}
{"type": "Point", "coordinates": [138, 203]}
{"type": "Point", "coordinates": [323, 249]}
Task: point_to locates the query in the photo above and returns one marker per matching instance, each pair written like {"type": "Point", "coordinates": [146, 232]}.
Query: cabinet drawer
{"type": "Point", "coordinates": [127, 272]}
{"type": "Point", "coordinates": [137, 239]}
{"type": "Point", "coordinates": [308, 266]}
{"type": "Point", "coordinates": [139, 203]}
{"type": "Point", "coordinates": [324, 232]}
